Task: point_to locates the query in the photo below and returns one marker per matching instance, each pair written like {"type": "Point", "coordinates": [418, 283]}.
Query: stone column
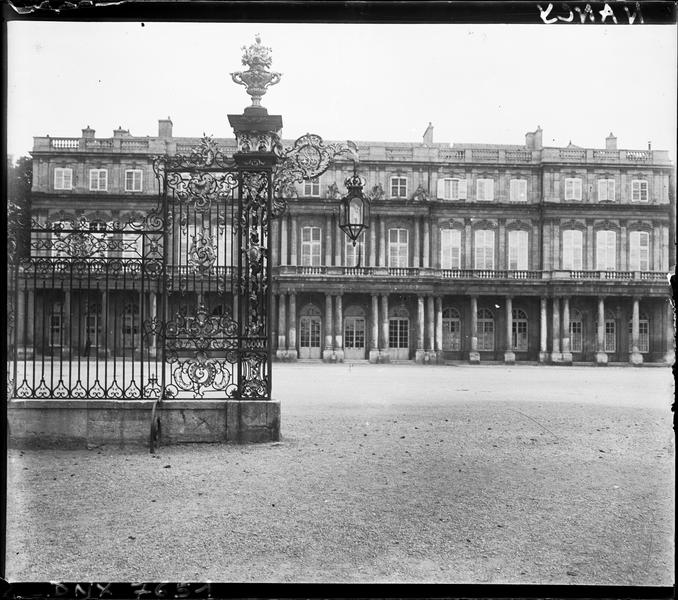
{"type": "Point", "coordinates": [329, 336]}
{"type": "Point", "coordinates": [374, 342]}
{"type": "Point", "coordinates": [293, 242]}
{"type": "Point", "coordinates": [373, 243]}
{"type": "Point", "coordinates": [601, 355]}
{"type": "Point", "coordinates": [281, 353]}
{"type": "Point", "coordinates": [283, 241]}
{"type": "Point", "coordinates": [543, 332]}
{"type": "Point", "coordinates": [430, 328]}
{"type": "Point", "coordinates": [427, 243]}
{"type": "Point", "coordinates": [556, 355]}
{"type": "Point", "coordinates": [439, 327]}
{"type": "Point", "coordinates": [635, 357]}
{"type": "Point", "coordinates": [468, 246]}
{"type": "Point", "coordinates": [328, 240]}
{"type": "Point", "coordinates": [275, 240]}
{"type": "Point", "coordinates": [339, 243]}
{"type": "Point", "coordinates": [384, 354]}
{"type": "Point", "coordinates": [292, 327]}
{"type": "Point", "coordinates": [474, 355]}
{"type": "Point", "coordinates": [419, 352]}
{"type": "Point", "coordinates": [417, 242]}
{"type": "Point", "coordinates": [509, 354]}
{"type": "Point", "coordinates": [567, 352]}
{"type": "Point", "coordinates": [382, 242]}
{"type": "Point", "coordinates": [339, 328]}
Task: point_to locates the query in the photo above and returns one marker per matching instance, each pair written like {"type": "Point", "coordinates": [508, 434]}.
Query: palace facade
{"type": "Point", "coordinates": [474, 252]}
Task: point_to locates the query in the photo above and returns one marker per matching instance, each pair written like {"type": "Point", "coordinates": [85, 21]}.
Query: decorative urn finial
{"type": "Point", "coordinates": [257, 78]}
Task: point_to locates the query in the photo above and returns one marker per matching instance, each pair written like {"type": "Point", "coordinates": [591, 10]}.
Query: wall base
{"type": "Point", "coordinates": [566, 358]}
{"type": "Point", "coordinates": [636, 358]}
{"type": "Point", "coordinates": [601, 358]}
{"type": "Point", "coordinates": [474, 358]}
{"type": "Point", "coordinates": [556, 358]}
{"type": "Point", "coordinates": [333, 356]}
{"type": "Point", "coordinates": [509, 358]}
{"type": "Point", "coordinates": [543, 357]}
{"type": "Point", "coordinates": [286, 355]}
{"type": "Point", "coordinates": [72, 423]}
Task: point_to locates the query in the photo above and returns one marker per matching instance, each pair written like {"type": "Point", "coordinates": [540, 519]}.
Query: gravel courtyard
{"type": "Point", "coordinates": [386, 473]}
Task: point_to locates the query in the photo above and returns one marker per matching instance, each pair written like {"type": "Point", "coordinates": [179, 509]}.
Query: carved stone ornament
{"type": "Point", "coordinates": [420, 194]}
{"type": "Point", "coordinates": [333, 192]}
{"type": "Point", "coordinates": [376, 193]}
{"type": "Point", "coordinates": [257, 78]}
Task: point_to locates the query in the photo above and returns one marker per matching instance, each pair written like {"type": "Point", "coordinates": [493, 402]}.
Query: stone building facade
{"type": "Point", "coordinates": [474, 252]}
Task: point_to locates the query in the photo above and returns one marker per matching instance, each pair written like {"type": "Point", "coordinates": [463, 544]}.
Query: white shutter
{"type": "Point", "coordinates": [441, 188]}
{"type": "Point", "coordinates": [462, 189]}
{"type": "Point", "coordinates": [602, 190]}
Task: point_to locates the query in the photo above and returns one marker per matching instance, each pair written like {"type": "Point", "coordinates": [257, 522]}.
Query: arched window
{"type": "Point", "coordinates": [451, 330]}
{"type": "Point", "coordinates": [519, 330]}
{"type": "Point", "coordinates": [576, 331]}
{"type": "Point", "coordinates": [643, 334]}
{"type": "Point", "coordinates": [485, 330]}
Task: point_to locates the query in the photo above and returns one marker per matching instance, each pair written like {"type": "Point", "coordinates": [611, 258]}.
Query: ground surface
{"type": "Point", "coordinates": [386, 473]}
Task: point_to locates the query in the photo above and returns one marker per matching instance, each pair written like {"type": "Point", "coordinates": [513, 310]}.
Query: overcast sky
{"type": "Point", "coordinates": [483, 83]}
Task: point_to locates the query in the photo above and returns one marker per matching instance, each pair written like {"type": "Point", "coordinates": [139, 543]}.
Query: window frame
{"type": "Point", "coordinates": [400, 246]}
{"type": "Point", "coordinates": [576, 197]}
{"type": "Point", "coordinates": [486, 182]}
{"type": "Point", "coordinates": [642, 183]}
{"type": "Point", "coordinates": [312, 188]}
{"type": "Point", "coordinates": [447, 250]}
{"type": "Point", "coordinates": [606, 184]}
{"type": "Point", "coordinates": [570, 260]}
{"type": "Point", "coordinates": [98, 173]}
{"type": "Point", "coordinates": [400, 187]}
{"type": "Point", "coordinates": [486, 329]}
{"type": "Point", "coordinates": [140, 172]}
{"type": "Point", "coordinates": [476, 257]}
{"type": "Point", "coordinates": [62, 171]}
{"type": "Point", "coordinates": [514, 250]}
{"type": "Point", "coordinates": [639, 235]}
{"type": "Point", "coordinates": [313, 258]}
{"type": "Point", "coordinates": [520, 340]}
{"type": "Point", "coordinates": [606, 267]}
{"type": "Point", "coordinates": [643, 335]}
{"type": "Point", "coordinates": [523, 190]}
{"type": "Point", "coordinates": [451, 341]}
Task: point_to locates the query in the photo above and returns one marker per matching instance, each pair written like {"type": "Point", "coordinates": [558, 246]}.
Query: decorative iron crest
{"type": "Point", "coordinates": [203, 253]}
{"type": "Point", "coordinates": [257, 78]}
{"type": "Point", "coordinates": [205, 154]}
{"type": "Point", "coordinates": [308, 158]}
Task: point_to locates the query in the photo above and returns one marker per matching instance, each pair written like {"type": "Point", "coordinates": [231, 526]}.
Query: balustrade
{"type": "Point", "coordinates": [65, 143]}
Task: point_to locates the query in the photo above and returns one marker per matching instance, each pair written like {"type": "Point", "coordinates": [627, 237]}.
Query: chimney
{"type": "Point", "coordinates": [428, 135]}
{"type": "Point", "coordinates": [529, 140]}
{"type": "Point", "coordinates": [88, 133]}
{"type": "Point", "coordinates": [537, 138]}
{"type": "Point", "coordinates": [120, 132]}
{"type": "Point", "coordinates": [610, 142]}
{"type": "Point", "coordinates": [533, 139]}
{"type": "Point", "coordinates": [165, 128]}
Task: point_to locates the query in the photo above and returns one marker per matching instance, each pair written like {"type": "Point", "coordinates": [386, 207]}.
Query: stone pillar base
{"type": "Point", "coordinates": [543, 357]}
{"type": "Point", "coordinates": [566, 358]}
{"type": "Point", "coordinates": [509, 357]}
{"type": "Point", "coordinates": [384, 356]}
{"type": "Point", "coordinates": [556, 357]}
{"type": "Point", "coordinates": [374, 356]}
{"type": "Point", "coordinates": [636, 358]}
{"type": "Point", "coordinates": [670, 358]}
{"type": "Point", "coordinates": [333, 356]}
{"type": "Point", "coordinates": [430, 357]}
{"type": "Point", "coordinates": [474, 357]}
{"type": "Point", "coordinates": [601, 358]}
{"type": "Point", "coordinates": [286, 355]}
{"type": "Point", "coordinates": [419, 356]}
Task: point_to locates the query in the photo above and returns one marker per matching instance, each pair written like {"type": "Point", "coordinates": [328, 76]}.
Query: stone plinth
{"type": "Point", "coordinates": [81, 423]}
{"type": "Point", "coordinates": [509, 357]}
{"type": "Point", "coordinates": [601, 358]}
{"type": "Point", "coordinates": [474, 358]}
{"type": "Point", "coordinates": [636, 358]}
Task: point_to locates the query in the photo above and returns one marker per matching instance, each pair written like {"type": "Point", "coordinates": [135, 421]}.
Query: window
{"type": "Point", "coordinates": [398, 187]}
{"type": "Point", "coordinates": [573, 249]}
{"type": "Point", "coordinates": [610, 335]}
{"type": "Point", "coordinates": [518, 250]}
{"type": "Point", "coordinates": [643, 335]}
{"type": "Point", "coordinates": [572, 188]}
{"type": "Point", "coordinates": [606, 190]}
{"type": "Point", "coordinates": [63, 179]}
{"type": "Point", "coordinates": [310, 246]}
{"type": "Point", "coordinates": [518, 190]}
{"type": "Point", "coordinates": [485, 190]}
{"type": "Point", "coordinates": [484, 249]}
{"type": "Point", "coordinates": [91, 331]}
{"type": "Point", "coordinates": [130, 325]}
{"type": "Point", "coordinates": [398, 333]}
{"type": "Point", "coordinates": [576, 332]}
{"type": "Point", "coordinates": [98, 180]}
{"type": "Point", "coordinates": [397, 248]}
{"type": "Point", "coordinates": [639, 190]}
{"type": "Point", "coordinates": [312, 187]}
{"type": "Point", "coordinates": [606, 247]}
{"type": "Point", "coordinates": [452, 189]}
{"type": "Point", "coordinates": [485, 330]}
{"type": "Point", "coordinates": [519, 330]}
{"type": "Point", "coordinates": [451, 330]}
{"type": "Point", "coordinates": [56, 320]}
{"type": "Point", "coordinates": [133, 178]}
{"type": "Point", "coordinates": [355, 255]}
{"type": "Point", "coordinates": [354, 332]}
{"type": "Point", "coordinates": [639, 252]}
{"type": "Point", "coordinates": [450, 249]}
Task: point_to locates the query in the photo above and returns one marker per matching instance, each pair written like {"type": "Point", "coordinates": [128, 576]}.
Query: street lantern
{"type": "Point", "coordinates": [355, 208]}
